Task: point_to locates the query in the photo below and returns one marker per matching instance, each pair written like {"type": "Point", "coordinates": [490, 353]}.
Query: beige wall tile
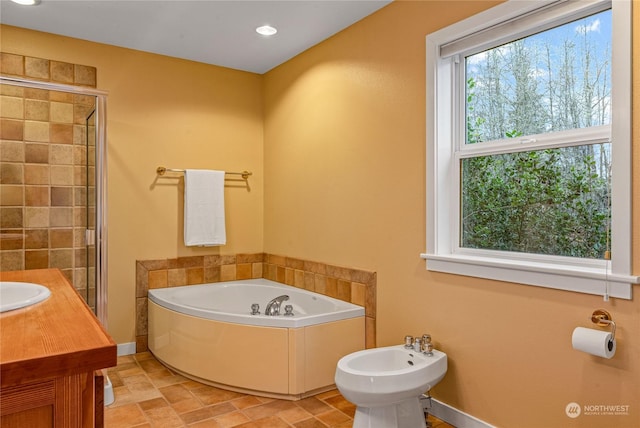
{"type": "Point", "coordinates": [195, 276]}
{"type": "Point", "coordinates": [11, 107]}
{"type": "Point", "coordinates": [36, 238]}
{"type": "Point", "coordinates": [61, 154]}
{"type": "Point", "coordinates": [212, 274]}
{"type": "Point", "coordinates": [11, 129]}
{"type": "Point", "coordinates": [36, 153]}
{"type": "Point", "coordinates": [36, 217]}
{"type": "Point", "coordinates": [12, 260]}
{"type": "Point", "coordinates": [79, 257]}
{"type": "Point", "coordinates": [228, 272]}
{"type": "Point", "coordinates": [176, 277]}
{"type": "Point", "coordinates": [36, 259]}
{"type": "Point", "coordinates": [11, 218]}
{"type": "Point", "coordinates": [84, 75]}
{"type": "Point", "coordinates": [36, 131]}
{"type": "Point", "coordinates": [11, 195]}
{"type": "Point", "coordinates": [36, 94]}
{"type": "Point", "coordinates": [36, 67]}
{"type": "Point", "coordinates": [344, 290]}
{"type": "Point", "coordinates": [158, 279]}
{"type": "Point", "coordinates": [62, 97]}
{"type": "Point", "coordinates": [61, 175]}
{"type": "Point", "coordinates": [11, 151]}
{"type": "Point", "coordinates": [36, 110]}
{"type": "Point", "coordinates": [61, 72]}
{"type": "Point", "coordinates": [61, 238]}
{"type": "Point", "coordinates": [358, 292]}
{"type": "Point", "coordinates": [12, 240]}
{"type": "Point", "coordinates": [36, 174]}
{"type": "Point", "coordinates": [80, 216]}
{"type": "Point", "coordinates": [243, 271]}
{"type": "Point", "coordinates": [36, 196]}
{"type": "Point", "coordinates": [61, 112]}
{"type": "Point", "coordinates": [61, 196]}
{"type": "Point", "coordinates": [13, 91]}
{"type": "Point", "coordinates": [61, 133]}
{"type": "Point", "coordinates": [62, 259]}
{"type": "Point", "coordinates": [11, 173]}
{"type": "Point", "coordinates": [256, 270]}
{"type": "Point", "coordinates": [61, 217]}
{"type": "Point", "coordinates": [12, 64]}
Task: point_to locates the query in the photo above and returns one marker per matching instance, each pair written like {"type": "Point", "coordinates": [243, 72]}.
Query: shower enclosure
{"type": "Point", "coordinates": [53, 183]}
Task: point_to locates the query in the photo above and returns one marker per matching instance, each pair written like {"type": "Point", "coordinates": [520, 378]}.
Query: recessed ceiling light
{"type": "Point", "coordinates": [27, 2]}
{"type": "Point", "coordinates": [266, 30]}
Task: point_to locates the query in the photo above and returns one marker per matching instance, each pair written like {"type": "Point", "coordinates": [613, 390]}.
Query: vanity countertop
{"type": "Point", "coordinates": [57, 337]}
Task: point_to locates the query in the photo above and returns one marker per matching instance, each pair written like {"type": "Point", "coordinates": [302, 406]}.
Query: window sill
{"type": "Point", "coordinates": [578, 279]}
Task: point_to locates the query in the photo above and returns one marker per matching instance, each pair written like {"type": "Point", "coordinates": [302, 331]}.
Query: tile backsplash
{"type": "Point", "coordinates": [347, 284]}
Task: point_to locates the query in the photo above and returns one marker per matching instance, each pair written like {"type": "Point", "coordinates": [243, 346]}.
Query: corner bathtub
{"type": "Point", "coordinates": [207, 333]}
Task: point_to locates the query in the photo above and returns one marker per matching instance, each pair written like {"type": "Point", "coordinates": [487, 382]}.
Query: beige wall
{"type": "Point", "coordinates": [163, 111]}
{"type": "Point", "coordinates": [345, 168]}
{"type": "Point", "coordinates": [344, 183]}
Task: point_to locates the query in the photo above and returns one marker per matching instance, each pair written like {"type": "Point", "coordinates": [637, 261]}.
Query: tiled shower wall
{"type": "Point", "coordinates": [43, 195]}
{"type": "Point", "coordinates": [350, 285]}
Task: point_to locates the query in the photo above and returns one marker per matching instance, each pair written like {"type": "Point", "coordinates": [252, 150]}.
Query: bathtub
{"type": "Point", "coordinates": [207, 333]}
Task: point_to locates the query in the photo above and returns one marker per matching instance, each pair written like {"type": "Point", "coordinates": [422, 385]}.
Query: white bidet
{"type": "Point", "coordinates": [386, 384]}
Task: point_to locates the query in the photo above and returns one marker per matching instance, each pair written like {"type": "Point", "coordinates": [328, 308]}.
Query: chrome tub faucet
{"type": "Point", "coordinates": [273, 307]}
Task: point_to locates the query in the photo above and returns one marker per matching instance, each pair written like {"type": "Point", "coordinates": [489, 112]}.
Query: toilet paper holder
{"type": "Point", "coordinates": [603, 319]}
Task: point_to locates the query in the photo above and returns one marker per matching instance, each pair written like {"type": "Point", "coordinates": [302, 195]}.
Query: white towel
{"type": "Point", "coordinates": [204, 223]}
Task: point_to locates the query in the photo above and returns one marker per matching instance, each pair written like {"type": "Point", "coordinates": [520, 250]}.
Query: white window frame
{"type": "Point", "coordinates": [505, 22]}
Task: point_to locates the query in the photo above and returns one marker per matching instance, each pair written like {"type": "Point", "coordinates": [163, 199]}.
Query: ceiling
{"type": "Point", "coordinates": [210, 31]}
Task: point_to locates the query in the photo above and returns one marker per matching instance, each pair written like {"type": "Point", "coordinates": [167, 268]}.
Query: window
{"type": "Point", "coordinates": [528, 146]}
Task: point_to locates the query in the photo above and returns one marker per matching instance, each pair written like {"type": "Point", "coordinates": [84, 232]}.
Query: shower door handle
{"type": "Point", "coordinates": [89, 237]}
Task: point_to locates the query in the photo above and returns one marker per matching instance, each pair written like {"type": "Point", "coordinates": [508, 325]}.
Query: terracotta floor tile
{"type": "Point", "coordinates": [340, 403]}
{"type": "Point", "coordinates": [213, 395]}
{"type": "Point", "coordinates": [151, 365]}
{"type": "Point", "coordinates": [124, 416]}
{"type": "Point", "coordinates": [175, 393]}
{"type": "Point", "coordinates": [209, 423]}
{"type": "Point", "coordinates": [268, 409]}
{"type": "Point", "coordinates": [313, 405]}
{"type": "Point", "coordinates": [163, 417]}
{"type": "Point", "coordinates": [197, 415]}
{"type": "Point", "coordinates": [295, 414]}
{"type": "Point", "coordinates": [141, 356]}
{"type": "Point", "coordinates": [187, 405]}
{"type": "Point", "coordinates": [333, 417]}
{"type": "Point", "coordinates": [310, 423]}
{"type": "Point", "coordinates": [244, 402]}
{"type": "Point", "coordinates": [154, 403]}
{"type": "Point", "coordinates": [131, 378]}
{"type": "Point", "coordinates": [268, 422]}
{"type": "Point", "coordinates": [231, 419]}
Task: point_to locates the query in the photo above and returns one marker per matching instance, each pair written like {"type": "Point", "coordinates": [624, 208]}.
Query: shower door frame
{"type": "Point", "coordinates": [100, 179]}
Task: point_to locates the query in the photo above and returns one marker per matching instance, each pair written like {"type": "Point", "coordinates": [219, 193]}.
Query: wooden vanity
{"type": "Point", "coordinates": [51, 354]}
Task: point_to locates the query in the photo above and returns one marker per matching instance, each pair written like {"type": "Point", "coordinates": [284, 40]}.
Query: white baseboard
{"type": "Point", "coordinates": [455, 417]}
{"type": "Point", "coordinates": [126, 348]}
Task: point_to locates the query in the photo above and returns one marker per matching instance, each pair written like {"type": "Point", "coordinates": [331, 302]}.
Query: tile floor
{"type": "Point", "coordinates": [148, 395]}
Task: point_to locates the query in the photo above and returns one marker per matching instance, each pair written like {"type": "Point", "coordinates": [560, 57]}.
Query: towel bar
{"type": "Point", "coordinates": [161, 170]}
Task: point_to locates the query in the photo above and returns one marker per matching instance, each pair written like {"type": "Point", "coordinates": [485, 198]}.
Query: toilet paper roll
{"type": "Point", "coordinates": [594, 342]}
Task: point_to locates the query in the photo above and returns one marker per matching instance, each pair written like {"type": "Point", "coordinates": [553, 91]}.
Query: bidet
{"type": "Point", "coordinates": [386, 384]}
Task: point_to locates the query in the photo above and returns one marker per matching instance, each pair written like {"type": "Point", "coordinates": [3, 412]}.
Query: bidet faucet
{"type": "Point", "coordinates": [273, 307]}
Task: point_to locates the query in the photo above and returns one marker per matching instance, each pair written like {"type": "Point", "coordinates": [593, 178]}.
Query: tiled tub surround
{"type": "Point", "coordinates": [43, 195]}
{"type": "Point", "coordinates": [350, 285]}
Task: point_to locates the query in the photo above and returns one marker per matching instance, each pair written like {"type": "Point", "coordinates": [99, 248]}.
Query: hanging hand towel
{"type": "Point", "coordinates": [204, 223]}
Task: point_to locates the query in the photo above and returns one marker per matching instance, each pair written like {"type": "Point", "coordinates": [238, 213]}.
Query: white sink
{"type": "Point", "coordinates": [16, 295]}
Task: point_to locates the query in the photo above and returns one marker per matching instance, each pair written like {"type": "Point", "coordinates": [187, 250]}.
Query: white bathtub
{"type": "Point", "coordinates": [206, 332]}
{"type": "Point", "coordinates": [231, 302]}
